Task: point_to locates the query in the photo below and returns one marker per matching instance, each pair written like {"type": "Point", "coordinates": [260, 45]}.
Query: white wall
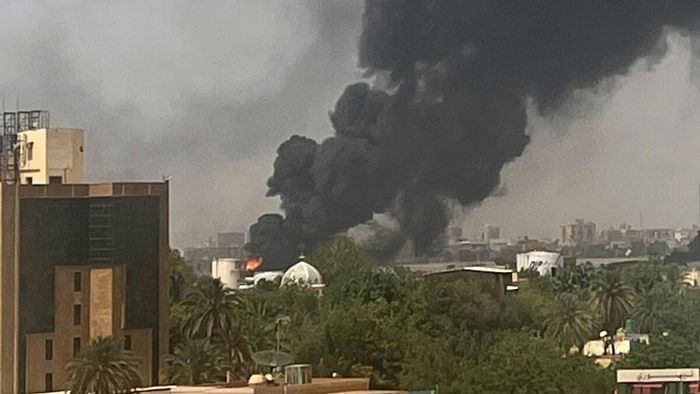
{"type": "Point", "coordinates": [227, 270]}
{"type": "Point", "coordinates": [542, 262]}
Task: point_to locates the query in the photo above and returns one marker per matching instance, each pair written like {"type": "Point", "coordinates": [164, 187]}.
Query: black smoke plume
{"type": "Point", "coordinates": [448, 108]}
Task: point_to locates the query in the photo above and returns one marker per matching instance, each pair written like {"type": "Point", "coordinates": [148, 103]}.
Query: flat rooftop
{"type": "Point", "coordinates": [88, 190]}
{"type": "Point", "coordinates": [476, 269]}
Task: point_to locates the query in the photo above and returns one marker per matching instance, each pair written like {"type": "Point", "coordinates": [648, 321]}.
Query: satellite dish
{"type": "Point", "coordinates": [275, 358]}
{"type": "Point", "coordinates": [272, 358]}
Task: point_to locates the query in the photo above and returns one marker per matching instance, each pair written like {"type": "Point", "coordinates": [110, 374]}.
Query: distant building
{"type": "Point", "coordinates": [489, 232]}
{"type": "Point", "coordinates": [544, 263]}
{"type": "Point", "coordinates": [502, 279]}
{"type": "Point", "coordinates": [229, 246]}
{"type": "Point", "coordinates": [230, 239]}
{"type": "Point", "coordinates": [578, 233]}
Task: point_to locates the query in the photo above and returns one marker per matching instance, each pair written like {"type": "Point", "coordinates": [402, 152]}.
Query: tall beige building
{"type": "Point", "coordinates": [50, 156]}
{"type": "Point", "coordinates": [77, 260]}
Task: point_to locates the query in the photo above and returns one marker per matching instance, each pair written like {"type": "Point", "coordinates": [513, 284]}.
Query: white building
{"type": "Point", "coordinates": [545, 263]}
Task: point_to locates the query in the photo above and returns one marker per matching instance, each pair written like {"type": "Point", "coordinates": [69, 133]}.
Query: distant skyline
{"type": "Point", "coordinates": [206, 94]}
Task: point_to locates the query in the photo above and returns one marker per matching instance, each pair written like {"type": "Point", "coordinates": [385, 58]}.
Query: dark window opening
{"type": "Point", "coordinates": [77, 285]}
{"type": "Point", "coordinates": [77, 314]}
{"type": "Point", "coordinates": [76, 346]}
{"type": "Point", "coordinates": [48, 382]}
{"type": "Point", "coordinates": [55, 180]}
{"type": "Point", "coordinates": [127, 342]}
{"type": "Point", "coordinates": [30, 151]}
{"type": "Point", "coordinates": [30, 180]}
{"type": "Point", "coordinates": [48, 349]}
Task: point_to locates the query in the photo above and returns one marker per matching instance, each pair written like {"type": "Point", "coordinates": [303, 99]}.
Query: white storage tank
{"type": "Point", "coordinates": [227, 270]}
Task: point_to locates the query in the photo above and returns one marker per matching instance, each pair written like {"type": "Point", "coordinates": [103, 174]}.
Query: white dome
{"type": "Point", "coordinates": [303, 274]}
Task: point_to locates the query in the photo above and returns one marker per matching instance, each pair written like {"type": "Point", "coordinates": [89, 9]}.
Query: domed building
{"type": "Point", "coordinates": [303, 274]}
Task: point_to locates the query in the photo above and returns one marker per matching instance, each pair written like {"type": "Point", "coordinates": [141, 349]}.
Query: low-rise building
{"type": "Point", "coordinates": [502, 279]}
{"type": "Point", "coordinates": [544, 263]}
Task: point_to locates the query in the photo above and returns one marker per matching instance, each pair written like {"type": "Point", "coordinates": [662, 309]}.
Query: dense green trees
{"type": "Point", "coordinates": [406, 331]}
{"type": "Point", "coordinates": [196, 361]}
{"type": "Point", "coordinates": [103, 367]}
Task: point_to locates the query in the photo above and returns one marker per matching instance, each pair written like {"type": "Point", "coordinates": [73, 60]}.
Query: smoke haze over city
{"type": "Point", "coordinates": [206, 95]}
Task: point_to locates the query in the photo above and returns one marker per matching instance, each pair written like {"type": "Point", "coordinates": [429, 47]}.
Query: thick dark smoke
{"type": "Point", "coordinates": [448, 108]}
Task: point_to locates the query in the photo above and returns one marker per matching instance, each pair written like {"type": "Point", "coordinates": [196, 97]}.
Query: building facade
{"type": "Point", "coordinates": [79, 261]}
{"type": "Point", "coordinates": [50, 155]}
{"type": "Point", "coordinates": [578, 233]}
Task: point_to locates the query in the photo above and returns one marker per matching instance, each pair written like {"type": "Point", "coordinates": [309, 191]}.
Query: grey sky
{"type": "Point", "coordinates": [206, 91]}
{"type": "Point", "coordinates": [630, 145]}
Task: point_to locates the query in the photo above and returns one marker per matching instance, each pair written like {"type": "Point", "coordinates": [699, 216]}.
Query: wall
{"type": "Point", "coordinates": [65, 154]}
{"type": "Point", "coordinates": [55, 232]}
{"type": "Point", "coordinates": [8, 290]}
{"type": "Point", "coordinates": [55, 152]}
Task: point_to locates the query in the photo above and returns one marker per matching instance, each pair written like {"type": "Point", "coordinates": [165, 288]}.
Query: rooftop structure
{"type": "Point", "coordinates": [303, 274]}
{"type": "Point", "coordinates": [502, 279]}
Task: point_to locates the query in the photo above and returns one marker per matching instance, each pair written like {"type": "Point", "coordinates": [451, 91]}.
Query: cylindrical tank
{"type": "Point", "coordinates": [227, 270]}
{"type": "Point", "coordinates": [297, 374]}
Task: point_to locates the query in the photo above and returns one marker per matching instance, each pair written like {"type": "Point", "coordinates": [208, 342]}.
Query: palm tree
{"type": "Point", "coordinates": [570, 322]}
{"type": "Point", "coordinates": [196, 361]}
{"type": "Point", "coordinates": [612, 299]}
{"type": "Point", "coordinates": [213, 312]}
{"type": "Point", "coordinates": [103, 367]}
{"type": "Point", "coordinates": [648, 313]}
{"type": "Point", "coordinates": [182, 277]}
{"type": "Point", "coordinates": [212, 309]}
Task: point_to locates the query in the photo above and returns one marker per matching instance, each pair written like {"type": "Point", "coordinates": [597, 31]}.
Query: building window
{"type": "Point", "coordinates": [30, 151]}
{"type": "Point", "coordinates": [48, 382]}
{"type": "Point", "coordinates": [77, 314]}
{"type": "Point", "coordinates": [30, 180]}
{"type": "Point", "coordinates": [76, 346]}
{"type": "Point", "coordinates": [77, 285]}
{"type": "Point", "coordinates": [55, 180]}
{"type": "Point", "coordinates": [48, 349]}
{"type": "Point", "coordinates": [127, 342]}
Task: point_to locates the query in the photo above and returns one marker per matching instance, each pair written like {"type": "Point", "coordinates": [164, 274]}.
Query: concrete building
{"type": "Point", "coordinates": [489, 232]}
{"type": "Point", "coordinates": [51, 155]}
{"type": "Point", "coordinates": [230, 239]}
{"type": "Point", "coordinates": [80, 261]}
{"type": "Point", "coordinates": [578, 233]}
{"type": "Point", "coordinates": [228, 246]}
{"type": "Point", "coordinates": [545, 263]}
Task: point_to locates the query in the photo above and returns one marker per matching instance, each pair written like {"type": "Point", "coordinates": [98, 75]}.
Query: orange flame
{"type": "Point", "coordinates": [253, 263]}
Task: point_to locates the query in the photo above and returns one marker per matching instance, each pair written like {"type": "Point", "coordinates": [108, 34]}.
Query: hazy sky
{"type": "Point", "coordinates": [206, 91]}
